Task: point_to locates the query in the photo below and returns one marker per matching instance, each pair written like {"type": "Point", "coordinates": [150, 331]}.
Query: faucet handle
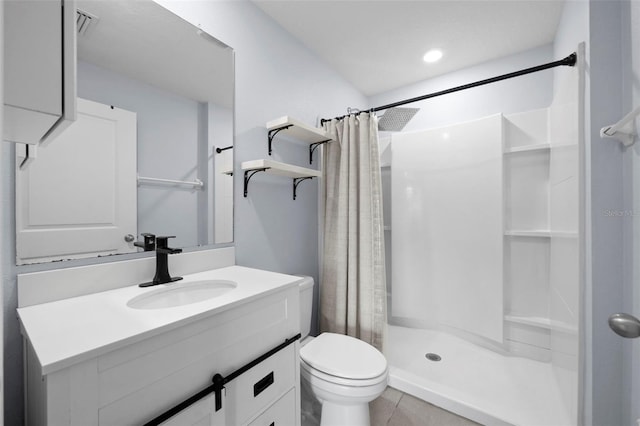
{"type": "Point", "coordinates": [162, 242]}
{"type": "Point", "coordinates": [149, 243]}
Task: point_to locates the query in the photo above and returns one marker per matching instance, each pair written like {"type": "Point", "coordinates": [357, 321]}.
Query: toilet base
{"type": "Point", "coordinates": [341, 415]}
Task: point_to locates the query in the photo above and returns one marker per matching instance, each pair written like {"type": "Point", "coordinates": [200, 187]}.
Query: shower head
{"type": "Point", "coordinates": [394, 119]}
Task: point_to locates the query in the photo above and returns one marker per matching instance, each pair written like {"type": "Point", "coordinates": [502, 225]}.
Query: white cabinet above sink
{"type": "Point", "coordinates": [40, 69]}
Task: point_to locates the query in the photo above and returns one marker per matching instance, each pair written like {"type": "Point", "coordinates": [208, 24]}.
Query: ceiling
{"type": "Point", "coordinates": [378, 45]}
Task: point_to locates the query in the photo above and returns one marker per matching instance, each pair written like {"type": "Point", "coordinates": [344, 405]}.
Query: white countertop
{"type": "Point", "coordinates": [68, 331]}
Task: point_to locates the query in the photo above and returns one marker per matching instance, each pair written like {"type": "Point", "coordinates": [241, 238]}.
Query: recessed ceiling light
{"type": "Point", "coordinates": [433, 55]}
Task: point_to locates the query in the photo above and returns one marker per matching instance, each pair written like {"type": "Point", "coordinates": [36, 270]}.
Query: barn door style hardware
{"type": "Point", "coordinates": [218, 382]}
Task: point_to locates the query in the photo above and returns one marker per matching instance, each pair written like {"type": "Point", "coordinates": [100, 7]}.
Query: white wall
{"type": "Point", "coordinates": [221, 136]}
{"type": "Point", "coordinates": [275, 76]}
{"type": "Point", "coordinates": [604, 234]}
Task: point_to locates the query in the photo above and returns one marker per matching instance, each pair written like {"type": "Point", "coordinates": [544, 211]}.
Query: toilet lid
{"type": "Point", "coordinates": [343, 356]}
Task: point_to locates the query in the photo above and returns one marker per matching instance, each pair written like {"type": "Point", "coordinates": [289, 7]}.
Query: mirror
{"type": "Point", "coordinates": [151, 87]}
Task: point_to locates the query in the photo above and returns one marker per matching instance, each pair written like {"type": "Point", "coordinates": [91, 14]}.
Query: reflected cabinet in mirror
{"type": "Point", "coordinates": [146, 154]}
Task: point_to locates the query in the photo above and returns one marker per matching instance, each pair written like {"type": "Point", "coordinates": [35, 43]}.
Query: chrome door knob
{"type": "Point", "coordinates": [625, 325]}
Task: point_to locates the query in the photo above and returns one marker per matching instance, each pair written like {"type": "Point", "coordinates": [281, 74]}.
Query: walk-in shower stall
{"type": "Point", "coordinates": [483, 232]}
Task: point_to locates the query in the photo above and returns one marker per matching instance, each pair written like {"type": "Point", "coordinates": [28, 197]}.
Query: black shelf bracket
{"type": "Point", "coordinates": [296, 182]}
{"type": "Point", "coordinates": [274, 132]}
{"type": "Point", "coordinates": [313, 147]}
{"type": "Point", "coordinates": [248, 174]}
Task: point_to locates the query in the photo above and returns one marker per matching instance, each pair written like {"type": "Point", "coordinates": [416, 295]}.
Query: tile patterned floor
{"type": "Point", "coordinates": [392, 408]}
{"type": "Point", "coordinates": [395, 408]}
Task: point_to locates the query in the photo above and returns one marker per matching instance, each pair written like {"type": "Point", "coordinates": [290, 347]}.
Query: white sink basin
{"type": "Point", "coordinates": [180, 294]}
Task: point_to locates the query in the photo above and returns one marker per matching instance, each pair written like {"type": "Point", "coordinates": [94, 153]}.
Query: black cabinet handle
{"type": "Point", "coordinates": [262, 384]}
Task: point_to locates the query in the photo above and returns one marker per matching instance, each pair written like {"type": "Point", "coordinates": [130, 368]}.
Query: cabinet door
{"type": "Point", "coordinates": [259, 387]}
{"type": "Point", "coordinates": [39, 73]}
{"type": "Point", "coordinates": [202, 413]}
{"type": "Point", "coordinates": [79, 197]}
{"type": "Point", "coordinates": [281, 413]}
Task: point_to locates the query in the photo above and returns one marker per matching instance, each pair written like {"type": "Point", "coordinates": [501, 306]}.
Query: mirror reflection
{"type": "Point", "coordinates": [155, 100]}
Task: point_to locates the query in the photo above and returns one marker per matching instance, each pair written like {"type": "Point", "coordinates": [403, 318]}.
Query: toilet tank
{"type": "Point", "coordinates": [306, 305]}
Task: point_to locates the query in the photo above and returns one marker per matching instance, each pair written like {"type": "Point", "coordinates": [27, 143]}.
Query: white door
{"type": "Point", "coordinates": [78, 198]}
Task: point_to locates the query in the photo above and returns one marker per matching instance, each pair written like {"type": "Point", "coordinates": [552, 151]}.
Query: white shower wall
{"type": "Point", "coordinates": [447, 224]}
{"type": "Point", "coordinates": [485, 232]}
{"type": "Point", "coordinates": [485, 236]}
{"type": "Point", "coordinates": [541, 235]}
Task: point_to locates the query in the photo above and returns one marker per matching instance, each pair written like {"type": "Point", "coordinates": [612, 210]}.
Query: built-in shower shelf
{"type": "Point", "coordinates": [564, 234]}
{"type": "Point", "coordinates": [540, 233]}
{"type": "Point", "coordinates": [528, 148]}
{"type": "Point", "coordinates": [532, 321]}
{"type": "Point", "coordinates": [298, 130]}
{"type": "Point", "coordinates": [541, 322]}
{"type": "Point", "coordinates": [298, 174]}
{"type": "Point", "coordinates": [528, 233]}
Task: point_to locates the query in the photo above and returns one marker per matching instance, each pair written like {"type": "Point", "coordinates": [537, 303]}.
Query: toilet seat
{"type": "Point", "coordinates": [338, 358]}
{"type": "Point", "coordinates": [344, 381]}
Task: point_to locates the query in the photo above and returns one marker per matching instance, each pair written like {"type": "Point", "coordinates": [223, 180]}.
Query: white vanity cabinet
{"type": "Point", "coordinates": [134, 383]}
{"type": "Point", "coordinates": [39, 73]}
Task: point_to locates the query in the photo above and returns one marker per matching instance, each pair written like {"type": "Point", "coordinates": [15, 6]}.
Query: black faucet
{"type": "Point", "coordinates": [149, 243]}
{"type": "Point", "coordinates": [162, 263]}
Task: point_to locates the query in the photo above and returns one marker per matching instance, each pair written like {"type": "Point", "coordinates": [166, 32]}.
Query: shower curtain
{"type": "Point", "coordinates": [353, 288]}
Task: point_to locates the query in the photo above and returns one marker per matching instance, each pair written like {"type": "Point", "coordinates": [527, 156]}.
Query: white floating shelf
{"type": "Point", "coordinates": [298, 130]}
{"type": "Point", "coordinates": [279, 169]}
{"type": "Point", "coordinates": [528, 148]}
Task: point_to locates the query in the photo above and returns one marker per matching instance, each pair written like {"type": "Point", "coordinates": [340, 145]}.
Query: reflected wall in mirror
{"type": "Point", "coordinates": [155, 100]}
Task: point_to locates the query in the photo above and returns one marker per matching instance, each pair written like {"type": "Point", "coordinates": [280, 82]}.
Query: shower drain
{"type": "Point", "coordinates": [433, 357]}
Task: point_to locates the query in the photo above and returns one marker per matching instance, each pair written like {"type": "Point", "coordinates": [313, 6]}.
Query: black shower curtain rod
{"type": "Point", "coordinates": [568, 61]}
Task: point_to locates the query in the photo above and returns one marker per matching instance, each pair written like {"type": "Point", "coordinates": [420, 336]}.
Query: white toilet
{"type": "Point", "coordinates": [344, 373]}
